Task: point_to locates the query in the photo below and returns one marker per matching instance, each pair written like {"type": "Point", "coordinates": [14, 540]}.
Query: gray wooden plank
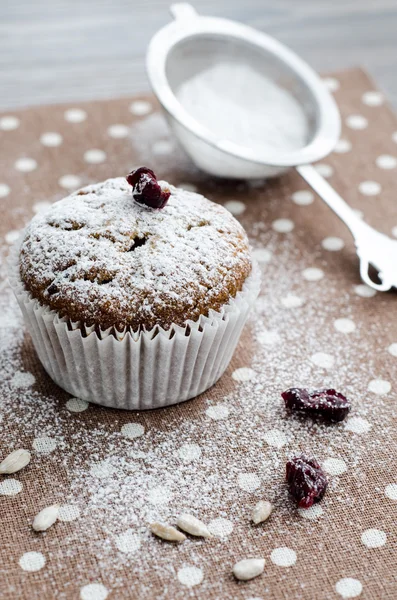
{"type": "Point", "coordinates": [70, 50]}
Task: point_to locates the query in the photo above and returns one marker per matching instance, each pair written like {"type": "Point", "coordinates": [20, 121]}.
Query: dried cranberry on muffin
{"type": "Point", "coordinates": [134, 254]}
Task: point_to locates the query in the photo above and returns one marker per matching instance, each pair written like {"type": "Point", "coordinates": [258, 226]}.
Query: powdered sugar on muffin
{"type": "Point", "coordinates": [101, 258]}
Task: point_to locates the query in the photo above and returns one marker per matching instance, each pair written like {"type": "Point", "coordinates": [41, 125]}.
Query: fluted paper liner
{"type": "Point", "coordinates": [128, 370]}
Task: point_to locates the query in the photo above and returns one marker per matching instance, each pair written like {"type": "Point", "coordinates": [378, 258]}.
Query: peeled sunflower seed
{"type": "Point", "coordinates": [166, 532]}
{"type": "Point", "coordinates": [193, 526]}
{"type": "Point", "coordinates": [248, 568]}
{"type": "Point", "coordinates": [17, 460]}
{"type": "Point", "coordinates": [46, 518]}
{"type": "Point", "coordinates": [261, 511]}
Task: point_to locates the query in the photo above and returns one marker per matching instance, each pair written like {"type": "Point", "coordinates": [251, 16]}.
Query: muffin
{"type": "Point", "coordinates": [135, 292]}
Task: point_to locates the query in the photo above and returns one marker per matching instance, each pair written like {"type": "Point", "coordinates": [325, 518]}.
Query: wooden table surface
{"type": "Point", "coordinates": [64, 50]}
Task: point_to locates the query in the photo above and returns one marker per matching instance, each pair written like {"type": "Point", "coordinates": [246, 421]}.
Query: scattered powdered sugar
{"type": "Point", "coordinates": [213, 458]}
{"type": "Point", "coordinates": [146, 134]}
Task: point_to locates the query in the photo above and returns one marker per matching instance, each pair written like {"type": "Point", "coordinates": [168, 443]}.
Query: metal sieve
{"type": "Point", "coordinates": [192, 43]}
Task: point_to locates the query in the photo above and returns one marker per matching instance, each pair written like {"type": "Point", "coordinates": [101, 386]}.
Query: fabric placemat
{"type": "Point", "coordinates": [314, 324]}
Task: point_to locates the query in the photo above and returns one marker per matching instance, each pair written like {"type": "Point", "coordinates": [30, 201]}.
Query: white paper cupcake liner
{"type": "Point", "coordinates": [135, 371]}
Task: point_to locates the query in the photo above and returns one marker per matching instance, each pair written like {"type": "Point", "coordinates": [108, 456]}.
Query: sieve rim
{"type": "Point", "coordinates": [328, 129]}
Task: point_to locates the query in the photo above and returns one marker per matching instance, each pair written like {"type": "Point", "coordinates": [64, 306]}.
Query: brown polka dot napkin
{"type": "Point", "coordinates": [315, 324]}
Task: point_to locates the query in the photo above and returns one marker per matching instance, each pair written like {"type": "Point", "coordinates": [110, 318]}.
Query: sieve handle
{"type": "Point", "coordinates": [331, 197]}
{"type": "Point", "coordinates": [373, 248]}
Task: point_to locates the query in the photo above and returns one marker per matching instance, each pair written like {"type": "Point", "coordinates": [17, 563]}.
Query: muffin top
{"type": "Point", "coordinates": [101, 258]}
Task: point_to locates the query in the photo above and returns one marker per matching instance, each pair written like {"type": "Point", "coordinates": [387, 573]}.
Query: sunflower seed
{"type": "Point", "coordinates": [193, 526]}
{"type": "Point", "coordinates": [46, 518]}
{"type": "Point", "coordinates": [166, 532]}
{"type": "Point", "coordinates": [17, 460]}
{"type": "Point", "coordinates": [248, 568]}
{"type": "Point", "coordinates": [262, 511]}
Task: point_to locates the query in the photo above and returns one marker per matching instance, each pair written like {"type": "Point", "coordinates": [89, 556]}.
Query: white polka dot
{"type": "Point", "coordinates": [313, 274]}
{"type": "Point", "coordinates": [268, 338]}
{"type": "Point", "coordinates": [392, 349]}
{"type": "Point", "coordinates": [324, 170]}
{"type": "Point", "coordinates": [348, 587]}
{"type": "Point", "coordinates": [51, 139]}
{"type": "Point", "coordinates": [243, 374]}
{"type": "Point", "coordinates": [160, 495]}
{"type": "Point", "coordinates": [162, 147]}
{"type": "Point", "coordinates": [69, 182]}
{"type": "Point", "coordinates": [104, 469]}
{"type": "Point", "coordinates": [331, 84]}
{"type": "Point", "coordinates": [262, 255]}
{"type": "Point", "coordinates": [190, 576]}
{"type": "Point", "coordinates": [364, 291]}
{"type": "Point", "coordinates": [12, 236]}
{"type": "Point", "coordinates": [312, 513]}
{"type": "Point", "coordinates": [370, 188]}
{"type": "Point", "coordinates": [275, 437]}
{"type": "Point", "coordinates": [391, 491]}
{"type": "Point", "coordinates": [189, 452]}
{"type": "Point", "coordinates": [68, 512]}
{"type": "Point", "coordinates": [283, 557]}
{"type": "Point", "coordinates": [9, 123]}
{"type": "Point", "coordinates": [220, 527]}
{"type": "Point", "coordinates": [372, 98]}
{"type": "Point", "coordinates": [10, 487]}
{"type": "Point", "coordinates": [342, 146]}
{"type": "Point", "coordinates": [94, 156]}
{"type": "Point", "coordinates": [357, 425]}
{"type": "Point", "coordinates": [334, 466]}
{"type": "Point", "coordinates": [379, 386]}
{"type": "Point", "coordinates": [356, 122]}
{"type": "Point", "coordinates": [118, 131]}
{"type": "Point", "coordinates": [41, 207]}
{"type": "Point", "coordinates": [249, 482]}
{"type": "Point", "coordinates": [132, 430]}
{"type": "Point", "coordinates": [386, 161]}
{"type": "Point", "coordinates": [344, 325]}
{"type": "Point", "coordinates": [128, 542]}
{"type": "Point", "coordinates": [189, 187]}
{"type": "Point", "coordinates": [394, 231]}
{"type": "Point", "coordinates": [94, 591]}
{"type": "Point", "coordinates": [373, 538]}
{"type": "Point", "coordinates": [23, 379]}
{"type": "Point", "coordinates": [4, 190]}
{"type": "Point", "coordinates": [394, 136]}
{"type": "Point", "coordinates": [44, 445]}
{"type": "Point", "coordinates": [236, 207]}
{"type": "Point", "coordinates": [333, 244]}
{"type": "Point", "coordinates": [302, 197]}
{"type": "Point", "coordinates": [32, 561]}
{"type": "Point", "coordinates": [75, 115]}
{"type": "Point", "coordinates": [25, 165]}
{"type": "Point", "coordinates": [218, 412]}
{"type": "Point", "coordinates": [283, 225]}
{"type": "Point", "coordinates": [322, 359]}
{"type": "Point", "coordinates": [292, 301]}
{"type": "Point", "coordinates": [140, 108]}
{"type": "Point", "coordinates": [76, 405]}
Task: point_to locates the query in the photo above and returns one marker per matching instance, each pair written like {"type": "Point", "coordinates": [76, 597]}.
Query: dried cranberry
{"type": "Point", "coordinates": [330, 404]}
{"type": "Point", "coordinates": [52, 289]}
{"type": "Point", "coordinates": [307, 481]}
{"type": "Point", "coordinates": [145, 188]}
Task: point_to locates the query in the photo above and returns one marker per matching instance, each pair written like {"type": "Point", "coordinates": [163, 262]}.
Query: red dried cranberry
{"type": "Point", "coordinates": [307, 481]}
{"type": "Point", "coordinates": [145, 188]}
{"type": "Point", "coordinates": [330, 404]}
